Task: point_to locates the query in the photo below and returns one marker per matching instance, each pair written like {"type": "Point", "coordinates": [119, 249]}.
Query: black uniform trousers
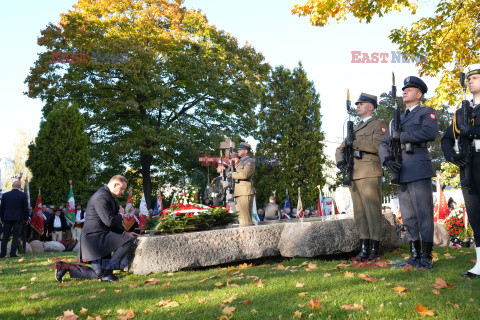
{"type": "Point", "coordinates": [117, 261]}
{"type": "Point", "coordinates": [10, 228]}
{"type": "Point", "coordinates": [416, 207]}
{"type": "Point", "coordinates": [472, 198]}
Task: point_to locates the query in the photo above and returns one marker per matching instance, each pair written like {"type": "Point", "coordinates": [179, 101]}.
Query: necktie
{"type": "Point", "coordinates": [407, 112]}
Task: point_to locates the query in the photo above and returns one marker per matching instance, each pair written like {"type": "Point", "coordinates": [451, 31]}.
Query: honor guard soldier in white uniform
{"type": "Point", "coordinates": [469, 168]}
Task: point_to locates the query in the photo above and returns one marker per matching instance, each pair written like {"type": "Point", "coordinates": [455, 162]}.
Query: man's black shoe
{"type": "Point", "coordinates": [60, 270]}
{"type": "Point", "coordinates": [110, 278]}
{"type": "Point", "coordinates": [469, 274]}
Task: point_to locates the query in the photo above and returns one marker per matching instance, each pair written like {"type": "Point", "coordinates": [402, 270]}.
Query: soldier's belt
{"type": "Point", "coordinates": [417, 145]}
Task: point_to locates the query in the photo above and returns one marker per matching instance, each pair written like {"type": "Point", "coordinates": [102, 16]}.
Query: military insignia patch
{"type": "Point", "coordinates": [432, 116]}
{"type": "Point", "coordinates": [384, 130]}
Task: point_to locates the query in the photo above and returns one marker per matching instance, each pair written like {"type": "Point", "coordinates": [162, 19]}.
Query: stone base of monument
{"type": "Point", "coordinates": [310, 238]}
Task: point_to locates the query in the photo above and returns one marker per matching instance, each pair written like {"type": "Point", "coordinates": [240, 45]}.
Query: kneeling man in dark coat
{"type": "Point", "coordinates": [104, 242]}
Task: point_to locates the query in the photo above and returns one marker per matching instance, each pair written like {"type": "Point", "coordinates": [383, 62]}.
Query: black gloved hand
{"type": "Point", "coordinates": [457, 160]}
{"type": "Point", "coordinates": [349, 143]}
{"type": "Point", "coordinates": [464, 130]}
{"type": "Point", "coordinates": [342, 165]}
{"type": "Point", "coordinates": [392, 165]}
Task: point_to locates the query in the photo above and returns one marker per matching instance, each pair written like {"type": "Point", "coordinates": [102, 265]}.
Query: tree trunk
{"type": "Point", "coordinates": [146, 161]}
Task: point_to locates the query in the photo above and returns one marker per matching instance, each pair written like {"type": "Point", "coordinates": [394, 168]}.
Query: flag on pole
{"type": "Point", "coordinates": [158, 204]}
{"type": "Point", "coordinates": [38, 217]}
{"type": "Point", "coordinates": [299, 206]}
{"type": "Point", "coordinates": [255, 216]}
{"type": "Point", "coordinates": [26, 189]}
{"type": "Point", "coordinates": [287, 206]}
{"type": "Point", "coordinates": [129, 216]}
{"type": "Point", "coordinates": [70, 214]}
{"type": "Point", "coordinates": [334, 205]}
{"type": "Point", "coordinates": [143, 216]}
{"type": "Point", "coordinates": [441, 206]}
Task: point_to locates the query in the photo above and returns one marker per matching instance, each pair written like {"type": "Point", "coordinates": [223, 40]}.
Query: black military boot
{"type": "Point", "coordinates": [426, 256]}
{"type": "Point", "coordinates": [61, 269]}
{"type": "Point", "coordinates": [364, 251]}
{"type": "Point", "coordinates": [374, 245]}
{"type": "Point", "coordinates": [415, 248]}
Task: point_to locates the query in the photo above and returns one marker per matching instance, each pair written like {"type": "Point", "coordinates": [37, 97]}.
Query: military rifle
{"type": "Point", "coordinates": [465, 143]}
{"type": "Point", "coordinates": [395, 146]}
{"type": "Point", "coordinates": [348, 150]}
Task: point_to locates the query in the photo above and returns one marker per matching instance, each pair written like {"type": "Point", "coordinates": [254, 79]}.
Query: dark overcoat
{"type": "Point", "coordinates": [14, 206]}
{"type": "Point", "coordinates": [102, 231]}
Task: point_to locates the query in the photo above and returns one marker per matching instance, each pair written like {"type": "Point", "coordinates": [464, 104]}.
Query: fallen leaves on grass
{"type": "Point", "coordinates": [442, 284]}
{"type": "Point", "coordinates": [67, 315]}
{"type": "Point", "coordinates": [230, 300]}
{"type": "Point", "coordinates": [207, 278]}
{"type": "Point", "coordinates": [302, 294]}
{"type": "Point", "coordinates": [33, 278]}
{"type": "Point", "coordinates": [246, 302]}
{"type": "Point", "coordinates": [218, 284]}
{"type": "Point", "coordinates": [26, 312]}
{"type": "Point", "coordinates": [297, 314]}
{"type": "Point", "coordinates": [117, 290]}
{"type": "Point", "coordinates": [424, 311]}
{"type": "Point", "coordinates": [348, 274]}
{"type": "Point", "coordinates": [435, 291]}
{"type": "Point", "coordinates": [253, 311]}
{"type": "Point", "coordinates": [151, 282]}
{"type": "Point", "coordinates": [312, 266]}
{"type": "Point", "coordinates": [355, 306]}
{"type": "Point", "coordinates": [300, 285]}
{"type": "Point", "coordinates": [37, 295]}
{"type": "Point", "coordinates": [366, 277]}
{"type": "Point", "coordinates": [201, 301]}
{"type": "Point", "coordinates": [167, 303]}
{"type": "Point", "coordinates": [147, 311]}
{"type": "Point", "coordinates": [83, 310]}
{"type": "Point", "coordinates": [326, 275]}
{"type": "Point", "coordinates": [228, 310]}
{"type": "Point", "coordinates": [125, 314]}
{"type": "Point", "coordinates": [101, 291]}
{"type": "Point", "coordinates": [315, 304]}
{"type": "Point", "coordinates": [456, 306]}
{"type": "Point", "coordinates": [166, 284]}
{"type": "Point", "coordinates": [399, 289]}
{"type": "Point", "coordinates": [23, 288]}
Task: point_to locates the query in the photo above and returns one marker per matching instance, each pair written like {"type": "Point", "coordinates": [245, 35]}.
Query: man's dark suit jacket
{"type": "Point", "coordinates": [62, 220]}
{"type": "Point", "coordinates": [102, 231]}
{"type": "Point", "coordinates": [14, 206]}
{"type": "Point", "coordinates": [272, 211]}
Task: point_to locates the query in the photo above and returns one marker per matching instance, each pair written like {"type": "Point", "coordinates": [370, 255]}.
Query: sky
{"type": "Point", "coordinates": [268, 25]}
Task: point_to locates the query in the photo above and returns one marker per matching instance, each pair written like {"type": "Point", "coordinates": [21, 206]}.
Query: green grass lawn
{"type": "Point", "coordinates": [269, 291]}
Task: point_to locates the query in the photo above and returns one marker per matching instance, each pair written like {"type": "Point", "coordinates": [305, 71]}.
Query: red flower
{"type": "Point", "coordinates": [456, 232]}
{"type": "Point", "coordinates": [177, 214]}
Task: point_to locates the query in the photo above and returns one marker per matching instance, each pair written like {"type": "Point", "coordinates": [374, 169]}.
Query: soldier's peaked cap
{"type": "Point", "coordinates": [415, 82]}
{"type": "Point", "coordinates": [245, 146]}
{"type": "Point", "coordinates": [472, 69]}
{"type": "Point", "coordinates": [365, 97]}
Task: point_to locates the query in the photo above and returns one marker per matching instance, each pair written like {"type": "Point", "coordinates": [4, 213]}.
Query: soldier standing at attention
{"type": "Point", "coordinates": [418, 127]}
{"type": "Point", "coordinates": [244, 191]}
{"type": "Point", "coordinates": [366, 187]}
{"type": "Point", "coordinates": [471, 193]}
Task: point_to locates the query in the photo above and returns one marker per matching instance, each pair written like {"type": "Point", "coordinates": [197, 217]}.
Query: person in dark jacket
{"type": "Point", "coordinates": [57, 225]}
{"type": "Point", "coordinates": [271, 210]}
{"type": "Point", "coordinates": [104, 242]}
{"type": "Point", "coordinates": [13, 213]}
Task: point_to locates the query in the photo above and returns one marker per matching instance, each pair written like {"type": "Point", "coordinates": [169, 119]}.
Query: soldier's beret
{"type": "Point", "coordinates": [415, 82]}
{"type": "Point", "coordinates": [472, 69]}
{"type": "Point", "coordinates": [245, 146]}
{"type": "Point", "coordinates": [365, 97]}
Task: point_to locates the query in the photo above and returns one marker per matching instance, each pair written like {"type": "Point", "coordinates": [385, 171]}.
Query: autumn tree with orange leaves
{"type": "Point", "coordinates": [157, 84]}
{"type": "Point", "coordinates": [447, 41]}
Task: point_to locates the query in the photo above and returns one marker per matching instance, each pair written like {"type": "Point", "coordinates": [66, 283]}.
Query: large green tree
{"type": "Point", "coordinates": [59, 154]}
{"type": "Point", "coordinates": [156, 83]}
{"type": "Point", "coordinates": [290, 134]}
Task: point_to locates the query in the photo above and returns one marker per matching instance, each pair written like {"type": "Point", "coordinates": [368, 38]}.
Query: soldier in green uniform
{"type": "Point", "coordinates": [366, 188]}
{"type": "Point", "coordinates": [244, 191]}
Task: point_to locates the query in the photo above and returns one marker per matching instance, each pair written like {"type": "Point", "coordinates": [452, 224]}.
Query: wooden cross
{"type": "Point", "coordinates": [226, 146]}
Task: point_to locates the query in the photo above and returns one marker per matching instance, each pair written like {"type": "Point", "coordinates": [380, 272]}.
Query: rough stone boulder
{"type": "Point", "coordinates": [53, 246]}
{"type": "Point", "coordinates": [310, 238]}
{"type": "Point", "coordinates": [28, 248]}
{"type": "Point", "coordinates": [207, 248]}
{"type": "Point", "coordinates": [37, 246]}
{"type": "Point", "coordinates": [319, 238]}
{"type": "Point", "coordinates": [440, 235]}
